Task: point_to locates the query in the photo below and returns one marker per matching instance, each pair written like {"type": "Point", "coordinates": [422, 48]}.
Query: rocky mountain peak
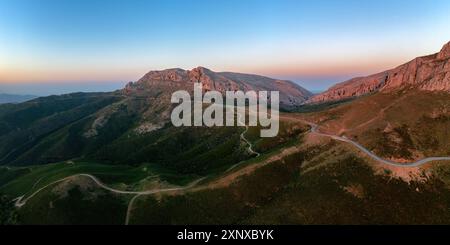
{"type": "Point", "coordinates": [201, 69]}
{"type": "Point", "coordinates": [445, 52]}
{"type": "Point", "coordinates": [201, 74]}
{"type": "Point", "coordinates": [174, 74]}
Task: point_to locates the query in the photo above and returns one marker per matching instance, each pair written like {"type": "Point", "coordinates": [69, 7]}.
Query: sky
{"type": "Point", "coordinates": [59, 46]}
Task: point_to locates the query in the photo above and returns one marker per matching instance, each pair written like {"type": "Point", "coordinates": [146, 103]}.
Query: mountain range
{"type": "Point", "coordinates": [291, 94]}
{"type": "Point", "coordinates": [58, 128]}
{"type": "Point", "coordinates": [371, 150]}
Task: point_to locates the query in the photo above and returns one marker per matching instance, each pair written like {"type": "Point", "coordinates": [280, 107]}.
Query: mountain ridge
{"type": "Point", "coordinates": [429, 73]}
{"type": "Point", "coordinates": [291, 94]}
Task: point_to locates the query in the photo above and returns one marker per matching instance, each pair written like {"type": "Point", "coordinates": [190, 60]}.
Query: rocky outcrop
{"type": "Point", "coordinates": [445, 52]}
{"type": "Point", "coordinates": [351, 88]}
{"type": "Point", "coordinates": [167, 81]}
{"type": "Point", "coordinates": [431, 73]}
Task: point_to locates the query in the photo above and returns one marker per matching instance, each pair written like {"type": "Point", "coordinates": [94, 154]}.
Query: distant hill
{"type": "Point", "coordinates": [15, 98]}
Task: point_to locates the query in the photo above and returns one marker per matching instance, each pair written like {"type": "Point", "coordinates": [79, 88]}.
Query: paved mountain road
{"type": "Point", "coordinates": [418, 163]}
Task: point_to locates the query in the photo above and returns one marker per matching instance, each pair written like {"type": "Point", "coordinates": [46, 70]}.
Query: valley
{"type": "Point", "coordinates": [235, 176]}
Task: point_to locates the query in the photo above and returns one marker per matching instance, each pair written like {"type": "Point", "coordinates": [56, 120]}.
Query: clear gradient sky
{"type": "Point", "coordinates": [97, 44]}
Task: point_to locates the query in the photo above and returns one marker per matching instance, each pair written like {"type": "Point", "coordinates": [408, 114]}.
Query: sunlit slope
{"type": "Point", "coordinates": [404, 125]}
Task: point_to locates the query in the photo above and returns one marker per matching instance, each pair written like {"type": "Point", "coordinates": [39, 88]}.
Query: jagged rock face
{"type": "Point", "coordinates": [168, 81]}
{"type": "Point", "coordinates": [351, 88]}
{"type": "Point", "coordinates": [445, 52]}
{"type": "Point", "coordinates": [431, 73]}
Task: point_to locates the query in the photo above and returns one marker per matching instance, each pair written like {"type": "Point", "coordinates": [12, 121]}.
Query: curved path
{"type": "Point", "coordinates": [130, 208]}
{"type": "Point", "coordinates": [130, 204]}
{"type": "Point", "coordinates": [250, 145]}
{"type": "Point", "coordinates": [20, 201]}
{"type": "Point", "coordinates": [314, 130]}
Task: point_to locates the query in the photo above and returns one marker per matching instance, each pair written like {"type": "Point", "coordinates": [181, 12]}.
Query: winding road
{"type": "Point", "coordinates": [314, 130]}
{"type": "Point", "coordinates": [250, 145]}
{"type": "Point", "coordinates": [20, 201]}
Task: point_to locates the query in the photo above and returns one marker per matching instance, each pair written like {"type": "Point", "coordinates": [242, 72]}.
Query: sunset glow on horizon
{"type": "Point", "coordinates": [314, 43]}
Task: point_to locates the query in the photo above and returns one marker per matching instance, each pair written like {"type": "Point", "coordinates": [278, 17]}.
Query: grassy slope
{"type": "Point", "coordinates": [405, 124]}
{"type": "Point", "coordinates": [288, 131]}
{"type": "Point", "coordinates": [206, 155]}
{"type": "Point", "coordinates": [53, 129]}
{"type": "Point", "coordinates": [278, 193]}
{"type": "Point", "coordinates": [74, 203]}
{"type": "Point", "coordinates": [32, 130]}
{"type": "Point", "coordinates": [282, 193]}
{"type": "Point", "coordinates": [28, 180]}
{"type": "Point", "coordinates": [184, 150]}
